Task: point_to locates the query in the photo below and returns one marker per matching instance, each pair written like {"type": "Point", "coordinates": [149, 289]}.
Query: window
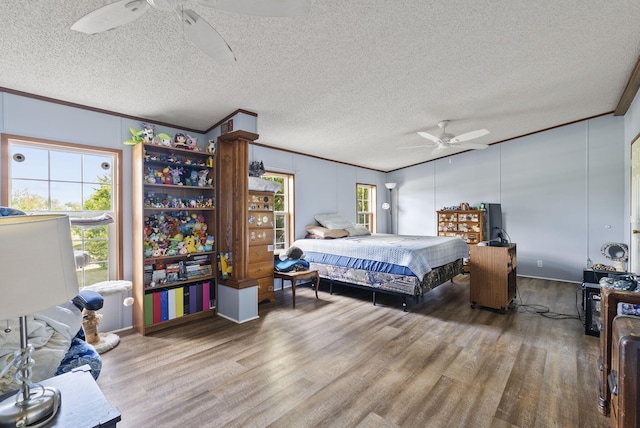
{"type": "Point", "coordinates": [366, 201]}
{"type": "Point", "coordinates": [283, 210]}
{"type": "Point", "coordinates": [81, 181]}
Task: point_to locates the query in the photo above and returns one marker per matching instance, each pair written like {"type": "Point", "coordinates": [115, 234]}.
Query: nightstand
{"type": "Point", "coordinates": [294, 276]}
{"type": "Point", "coordinates": [82, 405]}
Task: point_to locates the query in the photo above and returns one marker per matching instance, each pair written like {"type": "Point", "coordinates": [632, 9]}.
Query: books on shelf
{"type": "Point", "coordinates": [198, 266]}
{"type": "Point", "coordinates": [169, 303]}
{"type": "Point", "coordinates": [161, 273]}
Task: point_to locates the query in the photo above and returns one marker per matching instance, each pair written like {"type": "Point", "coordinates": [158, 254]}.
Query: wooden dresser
{"type": "Point", "coordinates": [260, 236]}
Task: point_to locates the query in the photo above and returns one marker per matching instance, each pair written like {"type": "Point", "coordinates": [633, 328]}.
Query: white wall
{"type": "Point", "coordinates": [562, 193]}
{"type": "Point", "coordinates": [322, 186]}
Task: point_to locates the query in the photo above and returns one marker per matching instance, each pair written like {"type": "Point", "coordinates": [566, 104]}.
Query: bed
{"type": "Point", "coordinates": [403, 265]}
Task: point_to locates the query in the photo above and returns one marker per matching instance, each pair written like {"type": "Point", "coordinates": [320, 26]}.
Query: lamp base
{"type": "Point", "coordinates": [42, 406]}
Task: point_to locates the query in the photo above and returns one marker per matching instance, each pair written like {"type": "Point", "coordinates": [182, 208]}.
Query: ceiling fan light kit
{"type": "Point", "coordinates": [165, 5]}
{"type": "Point", "coordinates": [198, 30]}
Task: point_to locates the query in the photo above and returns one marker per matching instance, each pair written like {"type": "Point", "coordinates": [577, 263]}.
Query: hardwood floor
{"type": "Point", "coordinates": [342, 362]}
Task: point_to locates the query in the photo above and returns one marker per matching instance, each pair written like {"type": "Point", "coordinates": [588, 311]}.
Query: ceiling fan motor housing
{"type": "Point", "coordinates": [166, 5]}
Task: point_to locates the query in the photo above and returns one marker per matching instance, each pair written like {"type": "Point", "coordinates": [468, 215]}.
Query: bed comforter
{"type": "Point", "coordinates": [420, 254]}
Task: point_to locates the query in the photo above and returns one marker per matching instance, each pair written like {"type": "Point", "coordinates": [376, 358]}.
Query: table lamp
{"type": "Point", "coordinates": [37, 272]}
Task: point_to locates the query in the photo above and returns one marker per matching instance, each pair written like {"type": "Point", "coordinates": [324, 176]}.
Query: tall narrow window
{"type": "Point", "coordinates": [81, 181]}
{"type": "Point", "coordinates": [283, 210]}
{"type": "Point", "coordinates": [366, 206]}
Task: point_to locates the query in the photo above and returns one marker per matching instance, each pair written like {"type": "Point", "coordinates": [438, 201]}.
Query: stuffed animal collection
{"type": "Point", "coordinates": [148, 135]}
{"type": "Point", "coordinates": [176, 176]}
{"type": "Point", "coordinates": [174, 233]}
{"type": "Point", "coordinates": [162, 200]}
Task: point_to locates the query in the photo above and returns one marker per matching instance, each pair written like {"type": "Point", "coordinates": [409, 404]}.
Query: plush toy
{"type": "Point", "coordinates": [180, 141]}
{"type": "Point", "coordinates": [295, 253]}
{"type": "Point", "coordinates": [176, 174]}
{"type": "Point", "coordinates": [151, 176]}
{"type": "Point", "coordinates": [190, 243]}
{"type": "Point", "coordinates": [225, 265]}
{"type": "Point", "coordinates": [192, 143]}
{"type": "Point", "coordinates": [173, 247]}
{"type": "Point", "coordinates": [148, 132]}
{"type": "Point", "coordinates": [166, 176]}
{"type": "Point", "coordinates": [256, 169]}
{"type": "Point", "coordinates": [162, 139]}
{"type": "Point", "coordinates": [208, 243]}
{"type": "Point", "coordinates": [293, 262]}
{"type": "Point", "coordinates": [202, 177]}
{"type": "Point", "coordinates": [136, 137]}
{"type": "Point", "coordinates": [192, 180]}
{"type": "Point", "coordinates": [211, 147]}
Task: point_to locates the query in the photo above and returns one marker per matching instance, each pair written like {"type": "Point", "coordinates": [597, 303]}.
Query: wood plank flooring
{"type": "Point", "coordinates": [342, 362]}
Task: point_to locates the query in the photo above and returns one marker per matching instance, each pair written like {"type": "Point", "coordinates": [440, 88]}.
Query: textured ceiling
{"type": "Point", "coordinates": [353, 81]}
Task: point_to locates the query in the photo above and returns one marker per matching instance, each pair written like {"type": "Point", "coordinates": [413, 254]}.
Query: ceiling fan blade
{"type": "Point", "coordinates": [421, 146]}
{"type": "Point", "coordinates": [469, 135]}
{"type": "Point", "coordinates": [429, 136]}
{"type": "Point", "coordinates": [261, 7]}
{"type": "Point", "coordinates": [439, 149]}
{"type": "Point", "coordinates": [111, 16]}
{"type": "Point", "coordinates": [205, 37]}
{"type": "Point", "coordinates": [474, 146]}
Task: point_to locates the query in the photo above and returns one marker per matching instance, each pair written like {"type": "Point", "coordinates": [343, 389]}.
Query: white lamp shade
{"type": "Point", "coordinates": [37, 266]}
{"type": "Point", "coordinates": [390, 185]}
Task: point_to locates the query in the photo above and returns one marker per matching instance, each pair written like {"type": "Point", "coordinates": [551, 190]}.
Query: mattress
{"type": "Point", "coordinates": [393, 254]}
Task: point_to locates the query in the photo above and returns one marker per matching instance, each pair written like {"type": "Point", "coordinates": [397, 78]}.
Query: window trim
{"type": "Point", "coordinates": [5, 198]}
{"type": "Point", "coordinates": [373, 191]}
{"type": "Point", "coordinates": [290, 179]}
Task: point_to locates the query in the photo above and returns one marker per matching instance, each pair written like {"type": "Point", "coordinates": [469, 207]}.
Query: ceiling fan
{"type": "Point", "coordinates": [446, 140]}
{"type": "Point", "coordinates": [201, 33]}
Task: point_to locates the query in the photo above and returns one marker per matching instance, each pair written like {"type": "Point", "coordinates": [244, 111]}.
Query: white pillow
{"type": "Point", "coordinates": [323, 232]}
{"type": "Point", "coordinates": [358, 230]}
{"type": "Point", "coordinates": [333, 221]}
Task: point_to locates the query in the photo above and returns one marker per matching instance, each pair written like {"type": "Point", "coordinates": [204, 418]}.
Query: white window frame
{"type": "Point", "coordinates": [114, 258]}
{"type": "Point", "coordinates": [287, 214]}
{"type": "Point", "coordinates": [369, 216]}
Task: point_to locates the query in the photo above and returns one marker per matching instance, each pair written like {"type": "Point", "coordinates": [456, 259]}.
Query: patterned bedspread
{"type": "Point", "coordinates": [390, 283]}
{"type": "Point", "coordinates": [419, 253]}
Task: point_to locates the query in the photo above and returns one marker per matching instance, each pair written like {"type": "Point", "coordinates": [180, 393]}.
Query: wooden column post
{"type": "Point", "coordinates": [232, 181]}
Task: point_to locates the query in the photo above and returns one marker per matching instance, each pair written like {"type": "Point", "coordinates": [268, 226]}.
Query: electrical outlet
{"type": "Point", "coordinates": [539, 263]}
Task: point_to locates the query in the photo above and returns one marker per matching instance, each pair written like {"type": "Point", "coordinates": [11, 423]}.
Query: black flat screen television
{"type": "Point", "coordinates": [495, 232]}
